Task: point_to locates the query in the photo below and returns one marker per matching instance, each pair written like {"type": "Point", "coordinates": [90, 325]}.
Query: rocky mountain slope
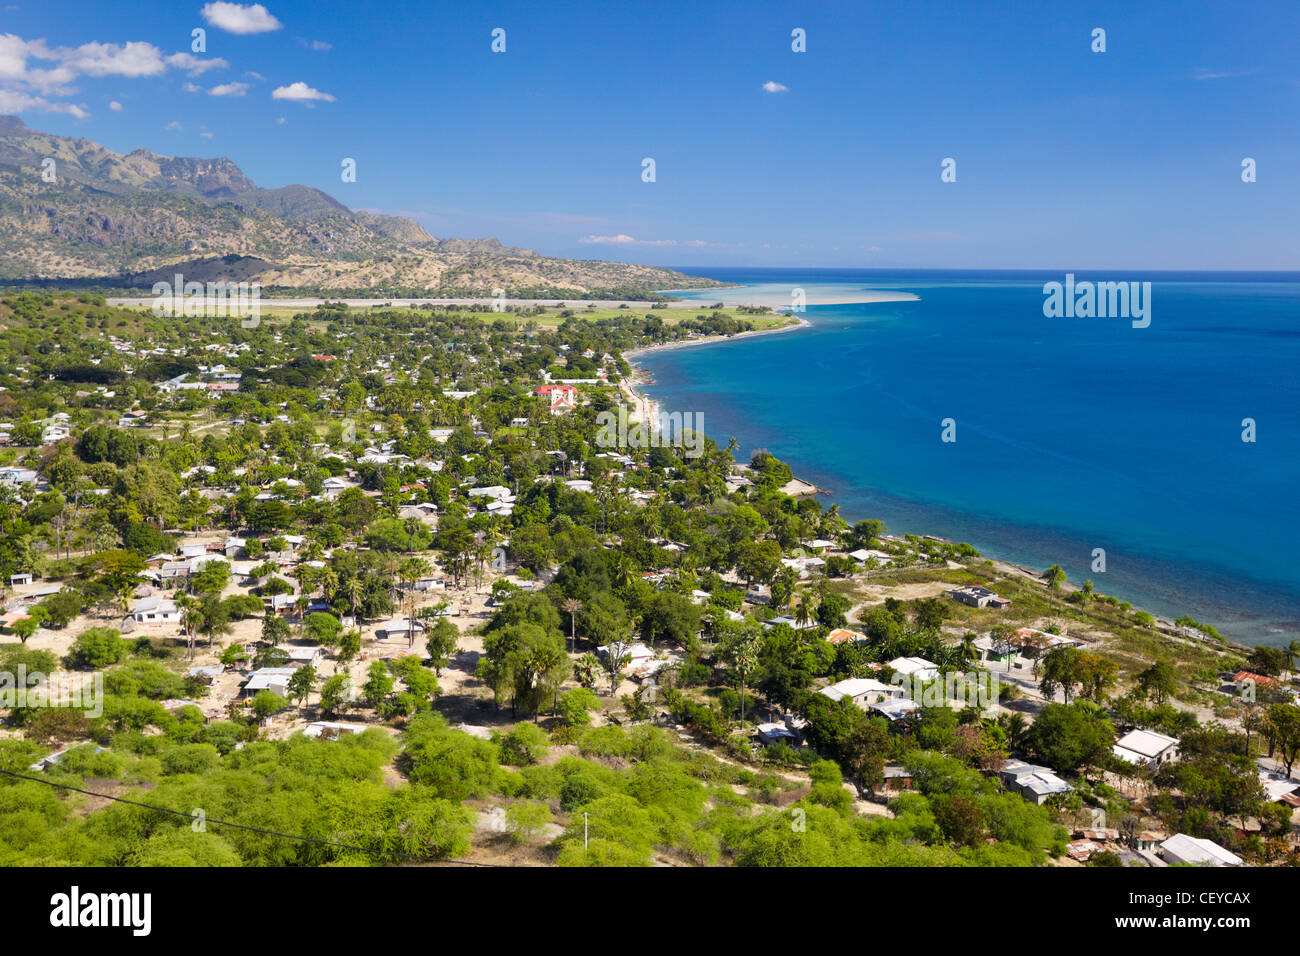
{"type": "Point", "coordinates": [113, 218]}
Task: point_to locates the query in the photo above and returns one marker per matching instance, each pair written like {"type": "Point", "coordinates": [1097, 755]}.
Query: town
{"type": "Point", "coordinates": [385, 576]}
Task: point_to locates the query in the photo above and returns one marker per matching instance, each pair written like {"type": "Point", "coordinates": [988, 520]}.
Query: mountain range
{"type": "Point", "coordinates": [95, 217]}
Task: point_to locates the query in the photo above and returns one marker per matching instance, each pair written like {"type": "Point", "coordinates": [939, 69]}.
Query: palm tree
{"type": "Point", "coordinates": [968, 652]}
{"type": "Point", "coordinates": [410, 571]}
{"type": "Point", "coordinates": [351, 589]}
{"type": "Point", "coordinates": [804, 612]}
{"type": "Point", "coordinates": [1054, 577]}
{"type": "Point", "coordinates": [1015, 728]}
{"type": "Point", "coordinates": [741, 654]}
{"type": "Point", "coordinates": [573, 606]}
{"type": "Point", "coordinates": [190, 619]}
{"type": "Point", "coordinates": [412, 527]}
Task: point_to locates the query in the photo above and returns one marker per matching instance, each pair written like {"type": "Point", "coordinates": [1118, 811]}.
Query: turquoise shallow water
{"type": "Point", "coordinates": [1072, 434]}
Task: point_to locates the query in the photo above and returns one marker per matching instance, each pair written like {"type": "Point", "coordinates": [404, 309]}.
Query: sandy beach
{"type": "Point", "coordinates": [780, 296]}
{"type": "Point", "coordinates": [144, 302]}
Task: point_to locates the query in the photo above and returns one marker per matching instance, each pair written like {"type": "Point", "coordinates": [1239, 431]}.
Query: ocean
{"type": "Point", "coordinates": [1071, 434]}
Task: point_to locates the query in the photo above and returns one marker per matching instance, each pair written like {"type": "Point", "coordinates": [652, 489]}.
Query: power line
{"type": "Point", "coordinates": [242, 826]}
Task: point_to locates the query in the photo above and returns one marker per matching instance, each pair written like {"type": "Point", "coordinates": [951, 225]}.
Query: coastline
{"type": "Point", "coordinates": [714, 339]}
{"type": "Point", "coordinates": [648, 410]}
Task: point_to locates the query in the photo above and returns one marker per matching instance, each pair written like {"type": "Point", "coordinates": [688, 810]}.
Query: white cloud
{"type": "Point", "coordinates": [280, 121]}
{"type": "Point", "coordinates": [206, 135]}
{"type": "Point", "coordinates": [319, 46]}
{"type": "Point", "coordinates": [12, 101]}
{"type": "Point", "coordinates": [229, 89]}
{"type": "Point", "coordinates": [195, 66]}
{"type": "Point", "coordinates": [25, 86]}
{"type": "Point", "coordinates": [240, 18]}
{"type": "Point", "coordinates": [173, 125]}
{"type": "Point", "coordinates": [115, 106]}
{"type": "Point", "coordinates": [772, 86]}
{"type": "Point", "coordinates": [254, 75]}
{"type": "Point", "coordinates": [1202, 73]}
{"type": "Point", "coordinates": [300, 92]}
{"type": "Point", "coordinates": [191, 87]}
{"type": "Point", "coordinates": [625, 240]}
{"type": "Point", "coordinates": [132, 59]}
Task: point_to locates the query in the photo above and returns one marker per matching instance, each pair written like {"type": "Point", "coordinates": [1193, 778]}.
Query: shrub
{"type": "Point", "coordinates": [96, 648]}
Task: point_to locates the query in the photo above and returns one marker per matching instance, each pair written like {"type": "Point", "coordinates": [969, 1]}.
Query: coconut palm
{"type": "Point", "coordinates": [573, 606]}
{"type": "Point", "coordinates": [1054, 577]}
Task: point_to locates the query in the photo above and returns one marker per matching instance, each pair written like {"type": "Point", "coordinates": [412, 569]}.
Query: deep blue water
{"type": "Point", "coordinates": [1072, 433]}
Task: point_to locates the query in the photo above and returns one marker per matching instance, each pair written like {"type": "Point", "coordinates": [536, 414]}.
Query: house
{"type": "Point", "coordinates": [155, 610]}
{"type": "Point", "coordinates": [916, 668]}
{"type": "Point", "coordinates": [304, 656]}
{"type": "Point", "coordinates": [1280, 789]}
{"type": "Point", "coordinates": [894, 709]}
{"type": "Point", "coordinates": [402, 628]}
{"type": "Point", "coordinates": [172, 570]}
{"type": "Point", "coordinates": [897, 780]}
{"type": "Point", "coordinates": [430, 584]}
{"type": "Point", "coordinates": [1181, 848]}
{"type": "Point", "coordinates": [36, 597]}
{"type": "Point", "coordinates": [771, 734]}
{"type": "Point", "coordinates": [818, 545]}
{"type": "Point", "coordinates": [18, 580]}
{"type": "Point", "coordinates": [863, 555]}
{"type": "Point", "coordinates": [284, 603]}
{"type": "Point", "coordinates": [206, 674]}
{"type": "Point", "coordinates": [863, 691]}
{"type": "Point", "coordinates": [45, 763]}
{"type": "Point", "coordinates": [331, 730]}
{"type": "Point", "coordinates": [1036, 784]}
{"type": "Point", "coordinates": [632, 654]}
{"type": "Point", "coordinates": [990, 649]}
{"type": "Point", "coordinates": [53, 433]}
{"type": "Point", "coordinates": [274, 679]}
{"type": "Point", "coordinates": [1244, 679]}
{"type": "Point", "coordinates": [978, 597]}
{"type": "Point", "coordinates": [790, 622]}
{"type": "Point", "coordinates": [1146, 747]}
{"type": "Point", "coordinates": [496, 492]}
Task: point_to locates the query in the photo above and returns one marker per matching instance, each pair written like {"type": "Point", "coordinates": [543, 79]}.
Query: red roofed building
{"type": "Point", "coordinates": [563, 397]}
{"type": "Point", "coordinates": [1259, 680]}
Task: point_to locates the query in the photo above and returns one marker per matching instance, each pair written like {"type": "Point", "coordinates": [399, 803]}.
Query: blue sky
{"type": "Point", "coordinates": [1066, 158]}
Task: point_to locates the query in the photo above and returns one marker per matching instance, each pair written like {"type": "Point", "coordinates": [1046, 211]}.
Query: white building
{"type": "Point", "coordinates": [1181, 848]}
{"type": "Point", "coordinates": [863, 691]}
{"type": "Point", "coordinates": [155, 610]}
{"type": "Point", "coordinates": [917, 668]}
{"type": "Point", "coordinates": [1146, 747]}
